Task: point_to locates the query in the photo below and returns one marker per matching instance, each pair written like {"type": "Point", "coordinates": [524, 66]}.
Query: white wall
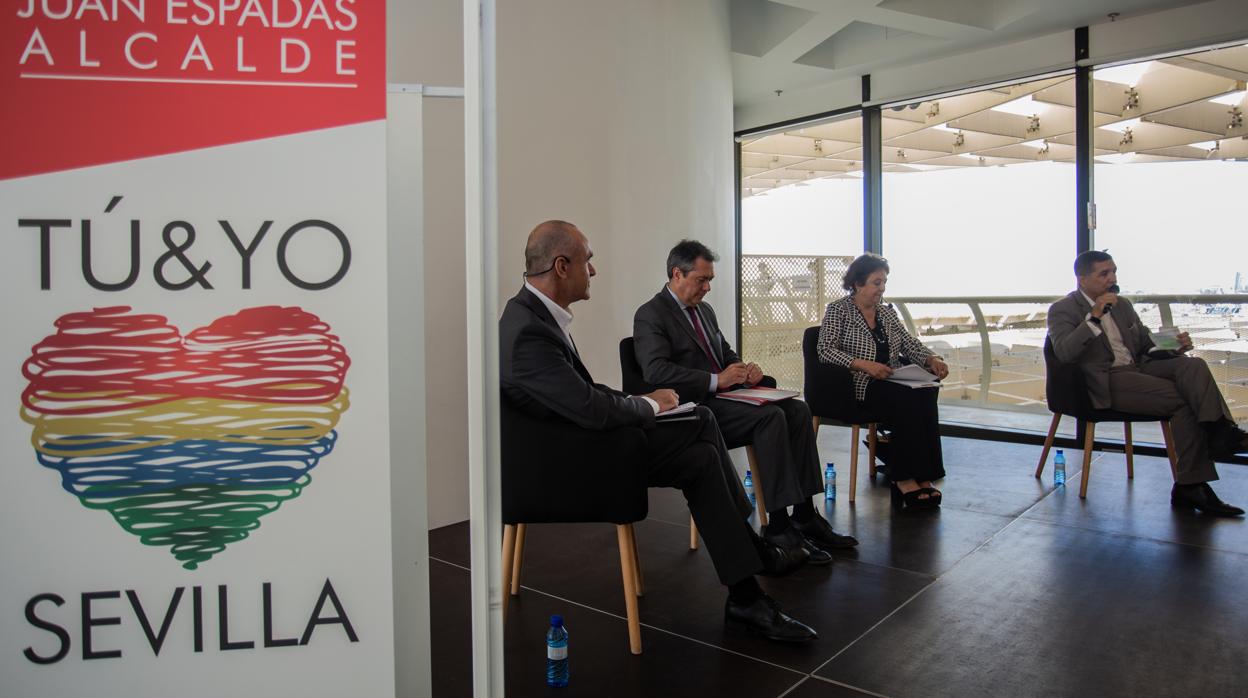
{"type": "Point", "coordinates": [616, 117]}
{"type": "Point", "coordinates": [426, 47]}
{"type": "Point", "coordinates": [1189, 27]}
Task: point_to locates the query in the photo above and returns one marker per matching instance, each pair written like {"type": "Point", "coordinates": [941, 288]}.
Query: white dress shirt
{"type": "Point", "coordinates": [1122, 355]}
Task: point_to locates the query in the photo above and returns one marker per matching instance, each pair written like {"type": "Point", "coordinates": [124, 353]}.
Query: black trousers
{"type": "Point", "coordinates": [914, 451]}
{"type": "Point", "coordinates": [784, 444]}
{"type": "Point", "coordinates": [690, 456]}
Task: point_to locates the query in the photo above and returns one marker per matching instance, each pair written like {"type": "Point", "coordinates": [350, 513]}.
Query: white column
{"type": "Point", "coordinates": [481, 289]}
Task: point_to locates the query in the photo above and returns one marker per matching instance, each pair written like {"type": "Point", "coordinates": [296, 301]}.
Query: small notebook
{"type": "Point", "coordinates": [684, 408]}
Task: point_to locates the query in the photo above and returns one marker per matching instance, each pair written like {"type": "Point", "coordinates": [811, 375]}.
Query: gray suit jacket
{"type": "Point", "coordinates": [668, 349]}
{"type": "Point", "coordinates": [1075, 343]}
{"type": "Point", "coordinates": [541, 374]}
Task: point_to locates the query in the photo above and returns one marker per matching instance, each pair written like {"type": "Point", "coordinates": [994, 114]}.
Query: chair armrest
{"type": "Point", "coordinates": [829, 388]}
{"type": "Point", "coordinates": [555, 471]}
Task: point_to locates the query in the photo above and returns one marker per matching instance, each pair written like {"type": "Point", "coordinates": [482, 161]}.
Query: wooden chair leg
{"type": "Point", "coordinates": [758, 485]}
{"type": "Point", "coordinates": [693, 533]}
{"type": "Point", "coordinates": [853, 461]}
{"type": "Point", "coordinates": [509, 543]}
{"type": "Point", "coordinates": [624, 537]}
{"type": "Point", "coordinates": [1048, 444]}
{"type": "Point", "coordinates": [639, 580]}
{"type": "Point", "coordinates": [1126, 437]}
{"type": "Point", "coordinates": [1171, 453]}
{"type": "Point", "coordinates": [518, 559]}
{"type": "Point", "coordinates": [1088, 440]}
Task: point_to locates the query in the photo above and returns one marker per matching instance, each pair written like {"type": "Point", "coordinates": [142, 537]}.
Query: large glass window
{"type": "Point", "coordinates": [1171, 173]}
{"type": "Point", "coordinates": [801, 223]}
{"type": "Point", "coordinates": [978, 224]}
{"type": "Point", "coordinates": [978, 214]}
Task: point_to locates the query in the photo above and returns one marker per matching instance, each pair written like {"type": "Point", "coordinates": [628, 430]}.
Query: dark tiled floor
{"type": "Point", "coordinates": [1011, 589]}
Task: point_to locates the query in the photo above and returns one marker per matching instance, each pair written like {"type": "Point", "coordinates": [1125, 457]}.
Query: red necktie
{"type": "Point", "coordinates": [706, 347]}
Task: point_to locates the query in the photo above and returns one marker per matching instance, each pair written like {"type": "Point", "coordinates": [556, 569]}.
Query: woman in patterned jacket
{"type": "Point", "coordinates": [863, 334]}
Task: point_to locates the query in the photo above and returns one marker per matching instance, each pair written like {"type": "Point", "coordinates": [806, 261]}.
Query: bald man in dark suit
{"type": "Point", "coordinates": [542, 373]}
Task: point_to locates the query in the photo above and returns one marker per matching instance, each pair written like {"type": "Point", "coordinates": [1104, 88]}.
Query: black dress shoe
{"type": "Point", "coordinates": [1201, 497]}
{"type": "Point", "coordinates": [818, 531]}
{"type": "Point", "coordinates": [791, 539]}
{"type": "Point", "coordinates": [778, 561]}
{"type": "Point", "coordinates": [764, 617]}
{"type": "Point", "coordinates": [1227, 440]}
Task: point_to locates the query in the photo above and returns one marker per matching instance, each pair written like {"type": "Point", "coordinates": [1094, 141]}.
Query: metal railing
{"type": "Point", "coordinates": [782, 295]}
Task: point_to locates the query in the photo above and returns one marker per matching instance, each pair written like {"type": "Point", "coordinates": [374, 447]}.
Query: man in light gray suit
{"type": "Point", "coordinates": [679, 346]}
{"type": "Point", "coordinates": [1100, 331]}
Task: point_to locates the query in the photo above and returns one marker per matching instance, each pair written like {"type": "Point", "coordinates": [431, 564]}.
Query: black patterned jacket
{"type": "Point", "coordinates": [844, 336]}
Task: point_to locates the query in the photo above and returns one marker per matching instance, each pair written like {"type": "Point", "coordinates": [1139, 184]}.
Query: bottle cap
{"type": "Point", "coordinates": [556, 621]}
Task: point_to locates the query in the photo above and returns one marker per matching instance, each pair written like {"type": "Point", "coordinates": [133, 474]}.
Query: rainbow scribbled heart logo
{"type": "Point", "coordinates": [186, 440]}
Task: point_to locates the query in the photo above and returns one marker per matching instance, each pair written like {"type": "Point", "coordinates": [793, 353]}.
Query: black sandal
{"type": "Point", "coordinates": [913, 499]}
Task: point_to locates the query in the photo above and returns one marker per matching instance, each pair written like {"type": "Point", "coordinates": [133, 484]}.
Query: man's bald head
{"type": "Point", "coordinates": [556, 262]}
{"type": "Point", "coordinates": [548, 241]}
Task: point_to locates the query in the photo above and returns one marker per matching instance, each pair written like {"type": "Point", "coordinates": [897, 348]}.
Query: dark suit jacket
{"type": "Point", "coordinates": [668, 349]}
{"type": "Point", "coordinates": [1075, 343]}
{"type": "Point", "coordinates": [541, 374]}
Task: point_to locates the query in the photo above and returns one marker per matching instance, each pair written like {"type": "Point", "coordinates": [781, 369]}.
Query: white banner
{"type": "Point", "coordinates": [195, 483]}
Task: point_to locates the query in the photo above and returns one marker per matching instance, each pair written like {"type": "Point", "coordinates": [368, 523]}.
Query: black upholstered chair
{"type": "Point", "coordinates": [829, 392]}
{"type": "Point", "coordinates": [635, 384]}
{"type": "Point", "coordinates": [556, 472]}
{"type": "Point", "coordinates": [1067, 393]}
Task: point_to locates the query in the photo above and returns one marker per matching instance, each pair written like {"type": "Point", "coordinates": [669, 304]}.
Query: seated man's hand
{"type": "Point", "coordinates": [1185, 342]}
{"type": "Point", "coordinates": [666, 397]}
{"type": "Point", "coordinates": [753, 374]}
{"type": "Point", "coordinates": [877, 371]}
{"type": "Point", "coordinates": [733, 375]}
{"type": "Point", "coordinates": [1098, 307]}
{"type": "Point", "coordinates": [938, 367]}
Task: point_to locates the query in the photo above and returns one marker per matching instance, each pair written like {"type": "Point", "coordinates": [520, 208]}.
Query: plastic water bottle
{"type": "Point", "coordinates": [829, 483]}
{"type": "Point", "coordinates": [749, 487]}
{"type": "Point", "coordinates": [557, 653]}
{"type": "Point", "coordinates": [1059, 469]}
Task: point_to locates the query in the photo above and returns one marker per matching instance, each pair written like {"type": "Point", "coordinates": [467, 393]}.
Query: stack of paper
{"type": "Point", "coordinates": [757, 396]}
{"type": "Point", "coordinates": [913, 376]}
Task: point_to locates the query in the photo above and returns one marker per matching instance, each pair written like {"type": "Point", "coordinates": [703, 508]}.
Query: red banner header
{"type": "Point", "coordinates": [88, 82]}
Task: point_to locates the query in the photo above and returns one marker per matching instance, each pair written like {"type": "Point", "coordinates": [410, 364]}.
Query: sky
{"type": "Point", "coordinates": [1172, 227]}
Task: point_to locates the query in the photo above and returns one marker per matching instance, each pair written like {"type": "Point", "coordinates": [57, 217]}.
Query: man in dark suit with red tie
{"type": "Point", "coordinates": [541, 372]}
{"type": "Point", "coordinates": [679, 346]}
